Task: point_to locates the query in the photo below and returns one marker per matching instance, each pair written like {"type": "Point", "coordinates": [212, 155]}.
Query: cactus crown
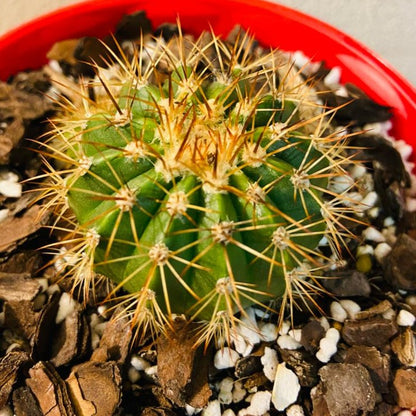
{"type": "Point", "coordinates": [197, 181]}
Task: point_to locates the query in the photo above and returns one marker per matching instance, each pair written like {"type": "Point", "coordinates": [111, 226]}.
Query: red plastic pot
{"type": "Point", "coordinates": [272, 24]}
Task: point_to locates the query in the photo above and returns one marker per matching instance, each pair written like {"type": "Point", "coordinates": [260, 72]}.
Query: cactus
{"type": "Point", "coordinates": [198, 182]}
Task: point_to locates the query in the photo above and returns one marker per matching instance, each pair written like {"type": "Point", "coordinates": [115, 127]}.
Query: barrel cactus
{"type": "Point", "coordinates": [198, 181]}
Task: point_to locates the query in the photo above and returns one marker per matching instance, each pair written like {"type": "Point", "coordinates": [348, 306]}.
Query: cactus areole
{"type": "Point", "coordinates": [197, 181]}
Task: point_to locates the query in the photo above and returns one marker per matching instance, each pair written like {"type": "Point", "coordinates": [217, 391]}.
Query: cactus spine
{"type": "Point", "coordinates": [197, 185]}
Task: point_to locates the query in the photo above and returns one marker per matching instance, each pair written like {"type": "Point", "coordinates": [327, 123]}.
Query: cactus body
{"type": "Point", "coordinates": [201, 188]}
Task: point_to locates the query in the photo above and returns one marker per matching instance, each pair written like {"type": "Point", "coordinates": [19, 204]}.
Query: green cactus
{"type": "Point", "coordinates": [198, 186]}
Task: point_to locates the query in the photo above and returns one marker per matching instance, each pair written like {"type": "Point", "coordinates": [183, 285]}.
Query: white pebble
{"type": "Point", "coordinates": [358, 171]}
{"type": "Point", "coordinates": [6, 411]}
{"type": "Point", "coordinates": [328, 345]}
{"type": "Point", "coordinates": [351, 307]}
{"type": "Point", "coordinates": [151, 371]}
{"type": "Point", "coordinates": [239, 392]}
{"type": "Point", "coordinates": [324, 323]}
{"type": "Point", "coordinates": [332, 334]}
{"type": "Point", "coordinates": [373, 212]}
{"type": "Point", "coordinates": [333, 77]}
{"type": "Point", "coordinates": [228, 412]}
{"type": "Point", "coordinates": [139, 363]}
{"type": "Point", "coordinates": [365, 249]}
{"type": "Point", "coordinates": [284, 328]}
{"type": "Point", "coordinates": [296, 334]}
{"type": "Point", "coordinates": [411, 300]}
{"type": "Point", "coordinates": [372, 234]}
{"type": "Point", "coordinates": [388, 221]}
{"type": "Point", "coordinates": [285, 388]}
{"type": "Point", "coordinates": [225, 394]}
{"type": "Point", "coordinates": [248, 327]}
{"type": "Point", "coordinates": [190, 410]}
{"type": "Point", "coordinates": [352, 199]}
{"type": "Point", "coordinates": [403, 148]}
{"type": "Point", "coordinates": [411, 204]}
{"type": "Point", "coordinates": [259, 404]}
{"type": "Point", "coordinates": [405, 318]}
{"type": "Point", "coordinates": [268, 332]}
{"type": "Point", "coordinates": [288, 343]}
{"type": "Point", "coordinates": [370, 200]}
{"type": "Point", "coordinates": [225, 358]}
{"type": "Point", "coordinates": [295, 410]}
{"type": "Point", "coordinates": [213, 409]}
{"type": "Point", "coordinates": [270, 363]}
{"type": "Point", "coordinates": [341, 183]}
{"type": "Point", "coordinates": [9, 185]}
{"type": "Point", "coordinates": [134, 375]}
{"type": "Point", "coordinates": [53, 289]}
{"type": "Point", "coordinates": [66, 306]}
{"type": "Point", "coordinates": [381, 251]}
{"type": "Point", "coordinates": [240, 344]}
{"type": "Point", "coordinates": [338, 313]}
{"type": "Point", "coordinates": [390, 314]}
{"type": "Point", "coordinates": [43, 283]}
{"type": "Point", "coordinates": [3, 214]}
{"type": "Point", "coordinates": [404, 413]}
{"type": "Point", "coordinates": [260, 313]}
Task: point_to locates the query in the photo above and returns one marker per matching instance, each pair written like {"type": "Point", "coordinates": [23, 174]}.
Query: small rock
{"type": "Point", "coordinates": [375, 310]}
{"type": "Point", "coordinates": [404, 346]}
{"type": "Point", "coordinates": [270, 363]}
{"type": "Point", "coordinates": [381, 252]}
{"type": "Point", "coordinates": [405, 318]}
{"type": "Point", "coordinates": [295, 410]}
{"type": "Point", "coordinates": [328, 345]}
{"type": "Point", "coordinates": [347, 389]}
{"type": "Point", "coordinates": [213, 409]}
{"type": "Point", "coordinates": [286, 388]}
{"type": "Point", "coordinates": [375, 362]}
{"type": "Point", "coordinates": [372, 234]}
{"type": "Point", "coordinates": [338, 313]}
{"type": "Point", "coordinates": [405, 385]}
{"type": "Point", "coordinates": [225, 358]}
{"type": "Point", "coordinates": [348, 283]}
{"type": "Point", "coordinates": [312, 333]}
{"type": "Point", "coordinates": [303, 364]}
{"type": "Point", "coordinates": [225, 391]}
{"type": "Point", "coordinates": [400, 265]}
{"type": "Point", "coordinates": [246, 366]}
{"type": "Point", "coordinates": [259, 405]}
{"type": "Point", "coordinates": [351, 307]}
{"type": "Point", "coordinates": [371, 332]}
{"type": "Point", "coordinates": [287, 342]}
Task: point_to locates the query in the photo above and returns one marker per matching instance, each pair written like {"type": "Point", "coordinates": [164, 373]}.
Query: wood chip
{"type": "Point", "coordinates": [24, 403]}
{"type": "Point", "coordinates": [16, 287]}
{"type": "Point", "coordinates": [18, 291]}
{"type": "Point", "coordinates": [9, 368]}
{"type": "Point", "coordinates": [71, 339]}
{"type": "Point", "coordinates": [182, 369]}
{"type": "Point", "coordinates": [95, 388]}
{"type": "Point", "coordinates": [50, 390]}
{"type": "Point", "coordinates": [16, 230]}
{"type": "Point", "coordinates": [115, 341]}
{"type": "Point", "coordinates": [27, 261]}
